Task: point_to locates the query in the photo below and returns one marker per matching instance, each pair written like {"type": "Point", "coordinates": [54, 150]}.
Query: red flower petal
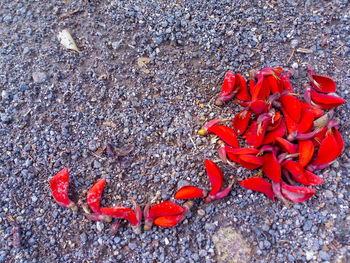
{"type": "Point", "coordinates": [166, 208]}
{"type": "Point", "coordinates": [328, 150]}
{"type": "Point", "coordinates": [296, 193]}
{"type": "Point", "coordinates": [227, 134]}
{"type": "Point", "coordinates": [306, 121]}
{"type": "Point", "coordinates": [239, 151]}
{"type": "Point", "coordinates": [94, 195]}
{"type": "Point", "coordinates": [241, 121]}
{"type": "Point", "coordinates": [122, 213]}
{"type": "Point", "coordinates": [326, 101]}
{"type": "Point", "coordinates": [321, 83]}
{"type": "Point", "coordinates": [168, 221]}
{"type": "Point", "coordinates": [273, 84]}
{"type": "Point", "coordinates": [306, 150]}
{"type": "Point", "coordinates": [296, 171]}
{"type": "Point", "coordinates": [316, 111]}
{"type": "Point", "coordinates": [286, 146]}
{"type": "Point", "coordinates": [291, 124]}
{"type": "Point", "coordinates": [271, 137]}
{"type": "Point", "coordinates": [258, 106]}
{"type": "Point", "coordinates": [241, 85]}
{"type": "Point", "coordinates": [271, 167]}
{"type": "Point", "coordinates": [215, 175]}
{"type": "Point", "coordinates": [313, 178]}
{"type": "Point", "coordinates": [59, 187]}
{"type": "Point", "coordinates": [227, 88]}
{"type": "Point", "coordinates": [189, 192]}
{"type": "Point", "coordinates": [254, 135]}
{"type": "Point", "coordinates": [292, 106]}
{"type": "Point", "coordinates": [318, 138]}
{"type": "Point", "coordinates": [339, 139]}
{"type": "Point", "coordinates": [250, 161]}
{"type": "Point", "coordinates": [258, 184]}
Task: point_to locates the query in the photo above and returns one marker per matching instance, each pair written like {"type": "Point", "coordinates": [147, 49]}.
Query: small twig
{"type": "Point", "coordinates": [65, 15]}
{"type": "Point", "coordinates": [290, 57]}
{"type": "Point", "coordinates": [195, 147]}
{"type": "Point", "coordinates": [94, 154]}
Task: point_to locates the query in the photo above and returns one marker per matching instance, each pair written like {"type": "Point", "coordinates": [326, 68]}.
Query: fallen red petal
{"type": "Point", "coordinates": [258, 184]}
{"type": "Point", "coordinates": [215, 175]}
{"type": "Point", "coordinates": [306, 150]}
{"type": "Point", "coordinates": [227, 134]}
{"type": "Point", "coordinates": [297, 193]}
{"type": "Point", "coordinates": [189, 192]}
{"type": "Point", "coordinates": [94, 195]}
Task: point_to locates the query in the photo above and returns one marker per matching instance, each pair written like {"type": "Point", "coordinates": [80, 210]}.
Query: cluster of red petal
{"type": "Point", "coordinates": [289, 138]}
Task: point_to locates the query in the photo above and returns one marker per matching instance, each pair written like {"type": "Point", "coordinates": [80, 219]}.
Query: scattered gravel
{"type": "Point", "coordinates": [59, 108]}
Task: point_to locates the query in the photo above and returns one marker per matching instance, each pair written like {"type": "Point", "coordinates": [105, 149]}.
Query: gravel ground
{"type": "Point", "coordinates": [58, 107]}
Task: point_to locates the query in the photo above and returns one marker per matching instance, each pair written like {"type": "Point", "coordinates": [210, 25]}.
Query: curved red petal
{"type": "Point", "coordinates": [250, 161]}
{"type": "Point", "coordinates": [242, 86]}
{"type": "Point", "coordinates": [166, 208]}
{"type": "Point", "coordinates": [328, 150]}
{"type": "Point", "coordinates": [326, 101]}
{"type": "Point", "coordinates": [296, 171]}
{"type": "Point", "coordinates": [313, 178]}
{"type": "Point", "coordinates": [339, 139]}
{"type": "Point", "coordinates": [306, 151]}
{"type": "Point", "coordinates": [241, 121]}
{"type": "Point", "coordinates": [122, 213]}
{"type": "Point", "coordinates": [271, 167]}
{"type": "Point", "coordinates": [258, 184]}
{"type": "Point", "coordinates": [228, 84]}
{"type": "Point", "coordinates": [306, 121]}
{"type": "Point", "coordinates": [94, 195]}
{"type": "Point", "coordinates": [296, 193]}
{"type": "Point", "coordinates": [271, 136]}
{"type": "Point", "coordinates": [317, 112]}
{"type": "Point", "coordinates": [59, 187]}
{"type": "Point", "coordinates": [215, 175]}
{"type": "Point", "coordinates": [323, 83]}
{"type": "Point", "coordinates": [292, 105]}
{"type": "Point", "coordinates": [168, 221]}
{"type": "Point", "coordinates": [189, 192]}
{"type": "Point", "coordinates": [286, 146]}
{"type": "Point", "coordinates": [258, 106]}
{"type": "Point", "coordinates": [227, 134]}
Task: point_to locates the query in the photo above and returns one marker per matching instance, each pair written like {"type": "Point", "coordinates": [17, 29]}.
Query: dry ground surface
{"type": "Point", "coordinates": [145, 75]}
